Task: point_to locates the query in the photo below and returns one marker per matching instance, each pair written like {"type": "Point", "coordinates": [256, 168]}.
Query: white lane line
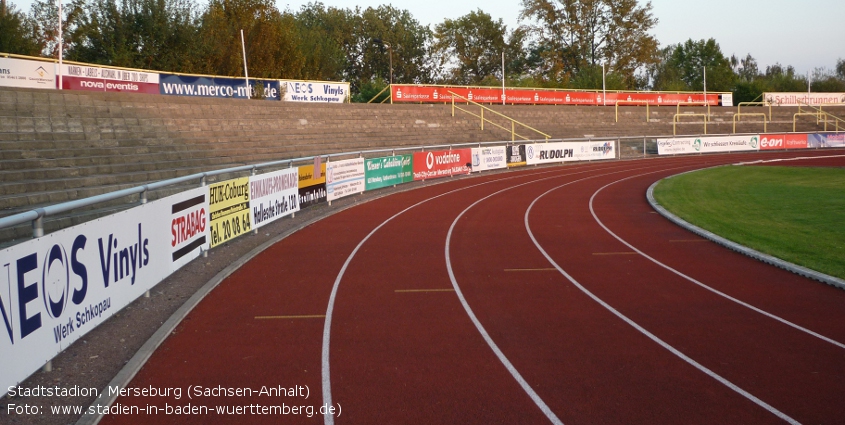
{"type": "Point", "coordinates": [689, 278]}
{"type": "Point", "coordinates": [328, 419]}
{"type": "Point", "coordinates": [645, 332]}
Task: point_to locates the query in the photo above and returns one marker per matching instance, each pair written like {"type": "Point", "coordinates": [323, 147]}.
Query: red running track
{"type": "Point", "coordinates": [546, 295]}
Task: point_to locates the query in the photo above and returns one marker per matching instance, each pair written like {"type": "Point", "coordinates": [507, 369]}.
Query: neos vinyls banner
{"type": "Point", "coordinates": [708, 144]}
{"type": "Point", "coordinates": [314, 91]}
{"type": "Point", "coordinates": [55, 289]}
{"type": "Point", "coordinates": [546, 153]}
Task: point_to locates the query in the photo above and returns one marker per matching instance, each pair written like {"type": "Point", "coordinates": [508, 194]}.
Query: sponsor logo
{"type": "Point", "coordinates": [606, 148]}
{"type": "Point", "coordinates": [556, 154]}
{"type": "Point", "coordinates": [754, 142]}
{"type": "Point", "coordinates": [771, 143]}
{"type": "Point", "coordinates": [529, 152]}
{"type": "Point", "coordinates": [429, 160]}
{"type": "Point", "coordinates": [697, 144]}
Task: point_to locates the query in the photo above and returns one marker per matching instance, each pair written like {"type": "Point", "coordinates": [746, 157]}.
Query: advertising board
{"type": "Point", "coordinates": [314, 91]}
{"type": "Point", "coordinates": [312, 189]}
{"type": "Point", "coordinates": [388, 171]}
{"type": "Point", "coordinates": [489, 158]}
{"type": "Point", "coordinates": [708, 144]}
{"type": "Point", "coordinates": [546, 153]}
{"type": "Point", "coordinates": [436, 164]}
{"type": "Point", "coordinates": [826, 140]}
{"type": "Point", "coordinates": [57, 288]}
{"type": "Point", "coordinates": [94, 78]}
{"type": "Point", "coordinates": [783, 141]}
{"type": "Point", "coordinates": [183, 85]}
{"type": "Point", "coordinates": [228, 212]}
{"type": "Point", "coordinates": [27, 73]}
{"type": "Point", "coordinates": [273, 196]}
{"type": "Point", "coordinates": [798, 98]}
{"type": "Point", "coordinates": [344, 178]}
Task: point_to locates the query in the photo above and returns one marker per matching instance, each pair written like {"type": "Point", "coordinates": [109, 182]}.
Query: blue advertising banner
{"type": "Point", "coordinates": [826, 140]}
{"type": "Point", "coordinates": [183, 85]}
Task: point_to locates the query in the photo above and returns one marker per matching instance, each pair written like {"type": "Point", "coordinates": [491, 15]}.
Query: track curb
{"type": "Point", "coordinates": [742, 249]}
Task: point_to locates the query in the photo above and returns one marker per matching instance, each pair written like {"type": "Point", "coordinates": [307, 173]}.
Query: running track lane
{"type": "Point", "coordinates": [457, 378]}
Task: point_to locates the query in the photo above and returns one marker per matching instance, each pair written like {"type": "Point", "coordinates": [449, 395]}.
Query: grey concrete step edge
{"type": "Point", "coordinates": [757, 255]}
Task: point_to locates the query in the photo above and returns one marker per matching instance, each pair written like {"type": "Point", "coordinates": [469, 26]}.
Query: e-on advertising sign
{"type": "Point", "coordinates": [228, 210]}
{"type": "Point", "coordinates": [57, 288]}
{"type": "Point", "coordinates": [273, 196]}
{"type": "Point", "coordinates": [436, 164]}
{"type": "Point", "coordinates": [388, 171]}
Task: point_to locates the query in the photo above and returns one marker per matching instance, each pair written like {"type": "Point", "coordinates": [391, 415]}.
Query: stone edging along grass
{"type": "Point", "coordinates": [777, 262]}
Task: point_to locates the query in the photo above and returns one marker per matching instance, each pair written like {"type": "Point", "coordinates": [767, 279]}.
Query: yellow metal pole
{"type": "Point", "coordinates": [513, 132]}
{"type": "Point", "coordinates": [482, 119]}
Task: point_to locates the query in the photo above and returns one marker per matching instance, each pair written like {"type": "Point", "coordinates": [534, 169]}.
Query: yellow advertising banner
{"type": "Point", "coordinates": [306, 175]}
{"type": "Point", "coordinates": [228, 212]}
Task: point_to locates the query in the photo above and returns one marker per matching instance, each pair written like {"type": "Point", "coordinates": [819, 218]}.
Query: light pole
{"type": "Point", "coordinates": [389, 54]}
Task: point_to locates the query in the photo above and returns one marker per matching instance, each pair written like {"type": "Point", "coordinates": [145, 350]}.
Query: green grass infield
{"type": "Point", "coordinates": [793, 213]}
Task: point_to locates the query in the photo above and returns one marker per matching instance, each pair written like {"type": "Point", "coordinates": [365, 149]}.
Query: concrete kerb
{"type": "Point", "coordinates": [140, 358]}
{"type": "Point", "coordinates": [757, 255]}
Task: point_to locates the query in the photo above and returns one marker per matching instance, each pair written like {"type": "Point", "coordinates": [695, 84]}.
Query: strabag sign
{"type": "Point", "coordinates": [546, 153]}
{"type": "Point", "coordinates": [490, 158]}
{"type": "Point", "coordinates": [436, 164]}
{"type": "Point", "coordinates": [273, 196]}
{"type": "Point", "coordinates": [708, 144]}
{"type": "Point", "coordinates": [57, 288]}
{"type": "Point", "coordinates": [344, 178]}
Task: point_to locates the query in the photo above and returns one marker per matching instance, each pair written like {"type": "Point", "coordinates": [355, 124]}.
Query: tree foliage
{"type": "Point", "coordinates": [575, 34]}
{"type": "Point", "coordinates": [16, 31]}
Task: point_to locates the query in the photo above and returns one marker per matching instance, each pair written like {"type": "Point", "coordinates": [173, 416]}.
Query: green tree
{"type": "Point", "coordinates": [16, 32]}
{"type": "Point", "coordinates": [572, 34]}
{"type": "Point", "coordinates": [370, 58]}
{"type": "Point", "coordinates": [325, 35]}
{"type": "Point", "coordinates": [270, 39]}
{"type": "Point", "coordinates": [472, 46]}
{"type": "Point", "coordinates": [683, 67]}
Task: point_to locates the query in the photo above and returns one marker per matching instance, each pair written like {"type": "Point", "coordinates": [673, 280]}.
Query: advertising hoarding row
{"type": "Point", "coordinates": [440, 94]}
{"type": "Point", "coordinates": [754, 142]}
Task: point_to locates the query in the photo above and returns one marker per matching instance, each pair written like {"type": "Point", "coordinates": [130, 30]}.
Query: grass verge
{"type": "Point", "coordinates": [793, 213]}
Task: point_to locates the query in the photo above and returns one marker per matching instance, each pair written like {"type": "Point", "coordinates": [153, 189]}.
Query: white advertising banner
{"type": "Point", "coordinates": [314, 91]}
{"type": "Point", "coordinates": [796, 98]}
{"type": "Point", "coordinates": [27, 73]}
{"type": "Point", "coordinates": [273, 196]}
{"type": "Point", "coordinates": [490, 158]}
{"type": "Point", "coordinates": [344, 178]}
{"type": "Point", "coordinates": [708, 144]}
{"type": "Point", "coordinates": [57, 288]}
{"type": "Point", "coordinates": [546, 153]}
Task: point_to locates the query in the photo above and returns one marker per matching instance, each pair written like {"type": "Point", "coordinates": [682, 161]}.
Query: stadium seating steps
{"type": "Point", "coordinates": [57, 146]}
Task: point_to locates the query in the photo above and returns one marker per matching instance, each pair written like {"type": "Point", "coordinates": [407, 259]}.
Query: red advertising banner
{"type": "Point", "coordinates": [94, 78]}
{"type": "Point", "coordinates": [783, 141]}
{"type": "Point", "coordinates": [436, 164]}
{"type": "Point", "coordinates": [440, 94]}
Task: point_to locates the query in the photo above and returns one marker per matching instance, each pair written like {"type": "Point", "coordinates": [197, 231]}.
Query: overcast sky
{"type": "Point", "coordinates": [806, 34]}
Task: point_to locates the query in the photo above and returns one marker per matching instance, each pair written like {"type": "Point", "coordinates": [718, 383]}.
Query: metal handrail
{"type": "Point", "coordinates": [707, 117]}
{"type": "Point", "coordinates": [763, 103]}
{"type": "Point", "coordinates": [739, 115]}
{"type": "Point", "coordinates": [483, 108]}
{"type": "Point", "coordinates": [675, 121]}
{"type": "Point", "coordinates": [379, 94]}
{"type": "Point", "coordinates": [635, 102]}
{"type": "Point", "coordinates": [819, 114]}
{"type": "Point", "coordinates": [38, 214]}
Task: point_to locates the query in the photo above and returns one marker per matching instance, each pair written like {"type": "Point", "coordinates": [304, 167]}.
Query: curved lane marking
{"type": "Point", "coordinates": [328, 419]}
{"type": "Point", "coordinates": [699, 283]}
{"type": "Point", "coordinates": [645, 332]}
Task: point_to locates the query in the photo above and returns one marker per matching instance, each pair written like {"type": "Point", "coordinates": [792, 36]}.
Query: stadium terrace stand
{"type": "Point", "coordinates": [57, 146]}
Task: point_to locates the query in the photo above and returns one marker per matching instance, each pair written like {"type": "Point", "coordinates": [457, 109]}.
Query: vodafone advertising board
{"type": "Point", "coordinates": [436, 164]}
{"type": "Point", "coordinates": [783, 141]}
{"type": "Point", "coordinates": [440, 94]}
{"type": "Point", "coordinates": [93, 78]}
{"type": "Point", "coordinates": [546, 153]}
